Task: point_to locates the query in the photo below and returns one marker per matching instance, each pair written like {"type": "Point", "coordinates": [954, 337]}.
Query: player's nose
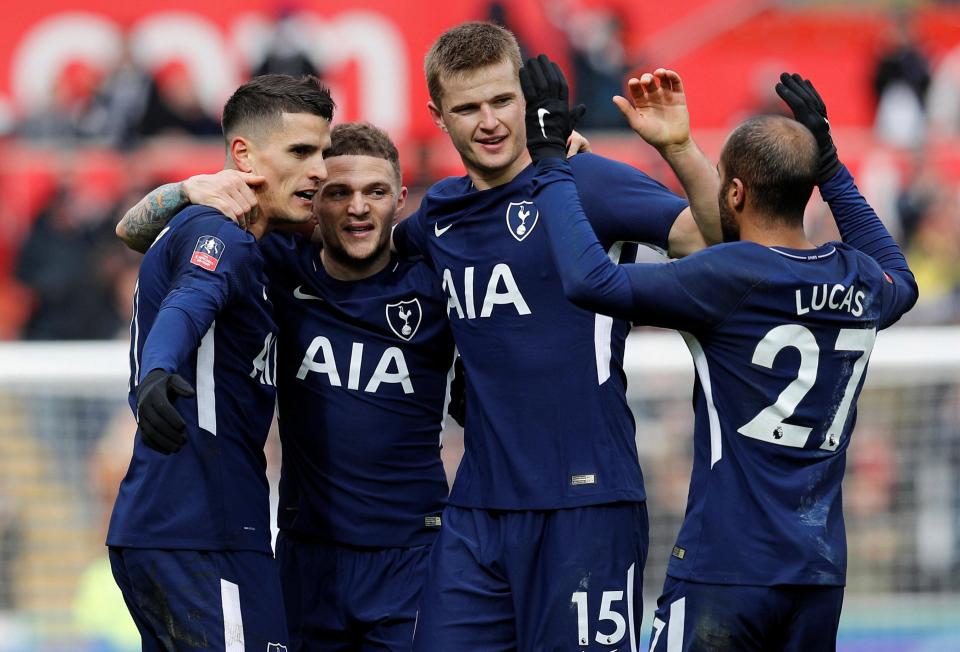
{"type": "Point", "coordinates": [488, 118]}
{"type": "Point", "coordinates": [358, 204]}
{"type": "Point", "coordinates": [318, 170]}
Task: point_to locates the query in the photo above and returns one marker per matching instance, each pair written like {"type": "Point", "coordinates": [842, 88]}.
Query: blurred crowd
{"type": "Point", "coordinates": [918, 107]}
{"type": "Point", "coordinates": [64, 276]}
{"type": "Point", "coordinates": [127, 104]}
{"type": "Point", "coordinates": [70, 278]}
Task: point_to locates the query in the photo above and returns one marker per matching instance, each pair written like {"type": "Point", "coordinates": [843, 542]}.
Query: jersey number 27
{"type": "Point", "coordinates": [769, 424]}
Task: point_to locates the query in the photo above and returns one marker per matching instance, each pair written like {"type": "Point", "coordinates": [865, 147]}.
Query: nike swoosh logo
{"type": "Point", "coordinates": [437, 231]}
{"type": "Point", "coordinates": [299, 294]}
{"type": "Point", "coordinates": [541, 113]}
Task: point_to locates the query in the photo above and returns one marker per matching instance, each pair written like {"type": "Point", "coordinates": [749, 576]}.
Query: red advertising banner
{"type": "Point", "coordinates": [371, 51]}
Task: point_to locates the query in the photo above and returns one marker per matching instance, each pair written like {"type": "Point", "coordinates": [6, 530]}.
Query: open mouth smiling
{"type": "Point", "coordinates": [359, 229]}
{"type": "Point", "coordinates": [495, 140]}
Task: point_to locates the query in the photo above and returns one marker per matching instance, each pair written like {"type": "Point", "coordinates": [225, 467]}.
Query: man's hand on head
{"type": "Point", "coordinates": [228, 191]}
{"type": "Point", "coordinates": [550, 120]}
{"type": "Point", "coordinates": [810, 111]}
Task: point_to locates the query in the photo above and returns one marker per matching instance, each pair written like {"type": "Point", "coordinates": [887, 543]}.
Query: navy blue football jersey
{"type": "Point", "coordinates": [201, 310]}
{"type": "Point", "coordinates": [548, 425]}
{"type": "Point", "coordinates": [780, 339]}
{"type": "Point", "coordinates": [362, 379]}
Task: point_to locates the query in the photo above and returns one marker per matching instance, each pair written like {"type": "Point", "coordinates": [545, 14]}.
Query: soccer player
{"type": "Point", "coordinates": [363, 355]}
{"type": "Point", "coordinates": [545, 534]}
{"type": "Point", "coordinates": [189, 536]}
{"type": "Point", "coordinates": [781, 331]}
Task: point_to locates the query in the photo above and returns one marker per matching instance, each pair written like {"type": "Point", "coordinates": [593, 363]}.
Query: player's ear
{"type": "Point", "coordinates": [241, 154]}
{"type": "Point", "coordinates": [436, 115]}
{"type": "Point", "coordinates": [401, 198]}
{"type": "Point", "coordinates": [736, 194]}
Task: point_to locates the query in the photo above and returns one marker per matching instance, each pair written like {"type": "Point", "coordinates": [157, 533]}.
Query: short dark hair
{"type": "Point", "coordinates": [776, 159]}
{"type": "Point", "coordinates": [264, 98]}
{"type": "Point", "coordinates": [465, 48]}
{"type": "Point", "coordinates": [363, 139]}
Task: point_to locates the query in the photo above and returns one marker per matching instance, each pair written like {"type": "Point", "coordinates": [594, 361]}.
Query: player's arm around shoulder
{"type": "Point", "coordinates": [228, 191]}
{"type": "Point", "coordinates": [141, 225]}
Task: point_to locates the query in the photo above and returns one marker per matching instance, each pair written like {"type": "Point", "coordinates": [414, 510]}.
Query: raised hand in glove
{"type": "Point", "coordinates": [549, 118]}
{"type": "Point", "coordinates": [161, 426]}
{"type": "Point", "coordinates": [810, 111]}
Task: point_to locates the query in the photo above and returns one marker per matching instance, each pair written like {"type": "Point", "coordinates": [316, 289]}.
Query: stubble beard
{"type": "Point", "coordinates": [729, 227]}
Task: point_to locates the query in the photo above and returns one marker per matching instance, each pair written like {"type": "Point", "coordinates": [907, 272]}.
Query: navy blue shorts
{"type": "Point", "coordinates": [340, 598]}
{"type": "Point", "coordinates": [568, 579]}
{"type": "Point", "coordinates": [695, 617]}
{"type": "Point", "coordinates": [223, 601]}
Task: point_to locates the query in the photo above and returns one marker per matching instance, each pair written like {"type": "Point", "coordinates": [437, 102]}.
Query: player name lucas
{"type": "Point", "coordinates": [836, 297]}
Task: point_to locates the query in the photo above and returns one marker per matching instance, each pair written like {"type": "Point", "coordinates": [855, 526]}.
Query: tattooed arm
{"type": "Point", "coordinates": [142, 223]}
{"type": "Point", "coordinates": [228, 191]}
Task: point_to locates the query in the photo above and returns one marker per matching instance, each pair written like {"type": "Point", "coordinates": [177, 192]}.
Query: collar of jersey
{"type": "Point", "coordinates": [821, 252]}
{"type": "Point", "coordinates": [325, 280]}
{"type": "Point", "coordinates": [456, 197]}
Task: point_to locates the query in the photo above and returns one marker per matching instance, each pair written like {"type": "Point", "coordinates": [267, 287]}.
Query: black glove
{"type": "Point", "coordinates": [810, 111]}
{"type": "Point", "coordinates": [458, 393]}
{"type": "Point", "coordinates": [550, 120]}
{"type": "Point", "coordinates": [161, 426]}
